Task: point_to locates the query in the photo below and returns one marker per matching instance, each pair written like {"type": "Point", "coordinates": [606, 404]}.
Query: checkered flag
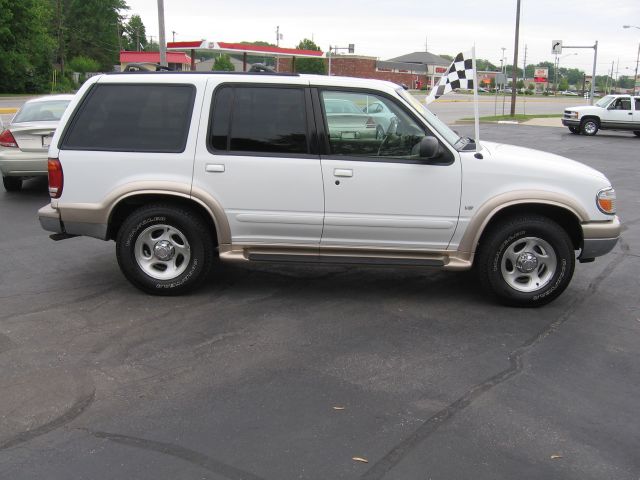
{"type": "Point", "coordinates": [459, 75]}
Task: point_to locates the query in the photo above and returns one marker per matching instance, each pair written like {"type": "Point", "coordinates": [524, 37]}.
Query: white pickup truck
{"type": "Point", "coordinates": [613, 112]}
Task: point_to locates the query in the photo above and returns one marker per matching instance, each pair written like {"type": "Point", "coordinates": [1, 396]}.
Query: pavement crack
{"type": "Point", "coordinates": [182, 453]}
{"type": "Point", "coordinates": [78, 407]}
{"type": "Point", "coordinates": [516, 365]}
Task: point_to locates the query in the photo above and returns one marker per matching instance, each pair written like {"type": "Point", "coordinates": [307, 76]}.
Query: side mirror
{"type": "Point", "coordinates": [429, 148]}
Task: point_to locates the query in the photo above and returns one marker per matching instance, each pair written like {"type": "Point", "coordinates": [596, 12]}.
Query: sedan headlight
{"type": "Point", "coordinates": [606, 201]}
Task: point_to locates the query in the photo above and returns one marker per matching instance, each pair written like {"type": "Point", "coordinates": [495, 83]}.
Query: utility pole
{"type": "Point", "coordinates": [515, 62]}
{"type": "Point", "coordinates": [61, 37]}
{"type": "Point", "coordinates": [278, 36]}
{"type": "Point", "coordinates": [524, 81]}
{"type": "Point", "coordinates": [503, 69]}
{"type": "Point", "coordinates": [426, 44]}
{"type": "Point", "coordinates": [161, 40]}
{"type": "Point", "coordinates": [174, 35]}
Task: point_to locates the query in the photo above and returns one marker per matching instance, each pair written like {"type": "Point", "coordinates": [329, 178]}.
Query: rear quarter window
{"type": "Point", "coordinates": [132, 118]}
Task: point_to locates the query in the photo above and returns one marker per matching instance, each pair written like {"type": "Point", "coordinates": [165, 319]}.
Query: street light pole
{"type": "Point", "coordinates": [635, 76]}
{"type": "Point", "coordinates": [514, 90]}
{"type": "Point", "coordinates": [161, 40]}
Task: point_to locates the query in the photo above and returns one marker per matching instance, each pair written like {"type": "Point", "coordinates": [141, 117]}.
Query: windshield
{"type": "Point", "coordinates": [450, 136]}
{"type": "Point", "coordinates": [604, 101]}
{"type": "Point", "coordinates": [41, 111]}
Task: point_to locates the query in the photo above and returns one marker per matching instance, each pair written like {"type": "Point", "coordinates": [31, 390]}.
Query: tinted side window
{"type": "Point", "coordinates": [261, 119]}
{"type": "Point", "coordinates": [133, 118]}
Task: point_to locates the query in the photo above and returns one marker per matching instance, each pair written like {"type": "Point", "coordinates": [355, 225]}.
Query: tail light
{"type": "Point", "coordinates": [56, 177]}
{"type": "Point", "coordinates": [7, 140]}
{"type": "Point", "coordinates": [371, 123]}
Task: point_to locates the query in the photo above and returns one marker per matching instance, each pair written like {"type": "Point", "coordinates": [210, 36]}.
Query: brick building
{"type": "Point", "coordinates": [413, 74]}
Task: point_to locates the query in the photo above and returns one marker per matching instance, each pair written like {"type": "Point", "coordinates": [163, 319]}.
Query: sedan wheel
{"type": "Point", "coordinates": [12, 184]}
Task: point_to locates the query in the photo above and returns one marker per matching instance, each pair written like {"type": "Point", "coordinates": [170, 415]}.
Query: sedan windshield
{"type": "Point", "coordinates": [450, 136]}
{"type": "Point", "coordinates": [41, 111]}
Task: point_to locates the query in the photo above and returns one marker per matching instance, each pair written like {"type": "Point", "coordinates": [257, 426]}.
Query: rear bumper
{"type": "Point", "coordinates": [18, 163]}
{"type": "Point", "coordinates": [50, 221]}
{"type": "Point", "coordinates": [599, 238]}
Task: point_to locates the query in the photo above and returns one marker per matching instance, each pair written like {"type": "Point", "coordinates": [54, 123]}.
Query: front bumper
{"type": "Point", "coordinates": [570, 122]}
{"type": "Point", "coordinates": [599, 238]}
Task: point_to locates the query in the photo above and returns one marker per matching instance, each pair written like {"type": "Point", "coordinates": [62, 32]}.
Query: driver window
{"type": "Point", "coordinates": [623, 104]}
{"type": "Point", "coordinates": [367, 125]}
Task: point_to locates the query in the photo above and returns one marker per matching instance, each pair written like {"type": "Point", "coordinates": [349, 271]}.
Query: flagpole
{"type": "Point", "coordinates": [475, 98]}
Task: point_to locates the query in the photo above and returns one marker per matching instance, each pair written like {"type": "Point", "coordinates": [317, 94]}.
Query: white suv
{"type": "Point", "coordinates": [613, 112]}
{"type": "Point", "coordinates": [179, 168]}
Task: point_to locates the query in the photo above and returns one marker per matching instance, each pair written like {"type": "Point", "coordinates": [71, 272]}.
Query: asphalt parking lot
{"type": "Point", "coordinates": [279, 372]}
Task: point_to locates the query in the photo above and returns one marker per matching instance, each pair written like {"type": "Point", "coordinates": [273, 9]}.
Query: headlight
{"type": "Point", "coordinates": [569, 114]}
{"type": "Point", "coordinates": [606, 201]}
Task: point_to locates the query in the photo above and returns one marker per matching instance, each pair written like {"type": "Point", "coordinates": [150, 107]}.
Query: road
{"type": "Point", "coordinates": [281, 372]}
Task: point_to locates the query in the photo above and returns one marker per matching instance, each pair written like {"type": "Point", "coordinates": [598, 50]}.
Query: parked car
{"type": "Point", "coordinates": [380, 113]}
{"type": "Point", "coordinates": [346, 120]}
{"type": "Point", "coordinates": [246, 169]}
{"type": "Point", "coordinates": [569, 93]}
{"type": "Point", "coordinates": [25, 141]}
{"type": "Point", "coordinates": [612, 112]}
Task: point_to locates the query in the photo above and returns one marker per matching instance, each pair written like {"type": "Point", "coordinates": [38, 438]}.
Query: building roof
{"type": "Point", "coordinates": [412, 67]}
{"type": "Point", "coordinates": [424, 58]}
{"type": "Point", "coordinates": [154, 57]}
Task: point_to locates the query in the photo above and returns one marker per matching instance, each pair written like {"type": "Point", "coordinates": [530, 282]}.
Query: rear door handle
{"type": "Point", "coordinates": [214, 167]}
{"type": "Point", "coordinates": [343, 172]}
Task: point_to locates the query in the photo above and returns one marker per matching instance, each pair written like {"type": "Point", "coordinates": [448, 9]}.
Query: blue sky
{"type": "Point", "coordinates": [386, 29]}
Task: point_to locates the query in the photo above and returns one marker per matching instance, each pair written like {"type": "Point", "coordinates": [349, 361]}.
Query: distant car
{"type": "Point", "coordinates": [482, 90]}
{"type": "Point", "coordinates": [569, 93]}
{"type": "Point", "coordinates": [25, 141]}
{"type": "Point", "coordinates": [146, 67]}
{"type": "Point", "coordinates": [506, 90]}
{"type": "Point", "coordinates": [347, 121]}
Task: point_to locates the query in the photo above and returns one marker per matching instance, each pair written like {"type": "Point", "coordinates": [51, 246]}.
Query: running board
{"type": "Point", "coordinates": [346, 260]}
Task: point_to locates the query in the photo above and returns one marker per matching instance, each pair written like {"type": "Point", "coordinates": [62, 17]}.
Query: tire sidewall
{"type": "Point", "coordinates": [139, 222]}
{"type": "Point", "coordinates": [562, 276]}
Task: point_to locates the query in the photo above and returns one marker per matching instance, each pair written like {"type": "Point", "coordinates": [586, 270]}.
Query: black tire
{"type": "Point", "coordinates": [12, 184]}
{"type": "Point", "coordinates": [636, 133]}
{"type": "Point", "coordinates": [575, 130]}
{"type": "Point", "coordinates": [506, 236]}
{"type": "Point", "coordinates": [181, 227]}
{"type": "Point", "coordinates": [590, 126]}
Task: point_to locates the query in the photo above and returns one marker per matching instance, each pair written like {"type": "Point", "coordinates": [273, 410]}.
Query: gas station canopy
{"type": "Point", "coordinates": [241, 48]}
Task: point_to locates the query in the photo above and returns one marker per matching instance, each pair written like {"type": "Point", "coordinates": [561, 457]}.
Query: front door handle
{"type": "Point", "coordinates": [214, 167]}
{"type": "Point", "coordinates": [343, 172]}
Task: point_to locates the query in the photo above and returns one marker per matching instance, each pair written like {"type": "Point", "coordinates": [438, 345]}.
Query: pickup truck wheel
{"type": "Point", "coordinates": [12, 184]}
{"type": "Point", "coordinates": [526, 261]}
{"type": "Point", "coordinates": [636, 133]}
{"type": "Point", "coordinates": [164, 250]}
{"type": "Point", "coordinates": [589, 126]}
{"type": "Point", "coordinates": [575, 130]}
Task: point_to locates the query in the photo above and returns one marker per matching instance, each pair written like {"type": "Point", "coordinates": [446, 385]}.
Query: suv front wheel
{"type": "Point", "coordinates": [589, 126]}
{"type": "Point", "coordinates": [526, 261]}
{"type": "Point", "coordinates": [164, 249]}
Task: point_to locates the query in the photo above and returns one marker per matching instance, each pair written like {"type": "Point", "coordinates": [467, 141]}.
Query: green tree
{"type": "Point", "coordinates": [135, 34]}
{"type": "Point", "coordinates": [223, 64]}
{"type": "Point", "coordinates": [310, 65]}
{"type": "Point", "coordinates": [520, 84]}
{"type": "Point", "coordinates": [83, 64]}
{"type": "Point", "coordinates": [26, 47]}
{"type": "Point", "coordinates": [563, 84]}
{"type": "Point", "coordinates": [91, 27]}
{"type": "Point", "coordinates": [484, 65]}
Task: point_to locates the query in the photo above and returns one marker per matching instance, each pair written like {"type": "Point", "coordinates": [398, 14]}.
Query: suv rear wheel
{"type": "Point", "coordinates": [164, 249]}
{"type": "Point", "coordinates": [526, 261]}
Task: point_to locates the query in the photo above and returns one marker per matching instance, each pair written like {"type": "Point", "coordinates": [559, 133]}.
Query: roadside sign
{"type": "Point", "coordinates": [501, 79]}
{"type": "Point", "coordinates": [556, 47]}
{"type": "Point", "coordinates": [540, 75]}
